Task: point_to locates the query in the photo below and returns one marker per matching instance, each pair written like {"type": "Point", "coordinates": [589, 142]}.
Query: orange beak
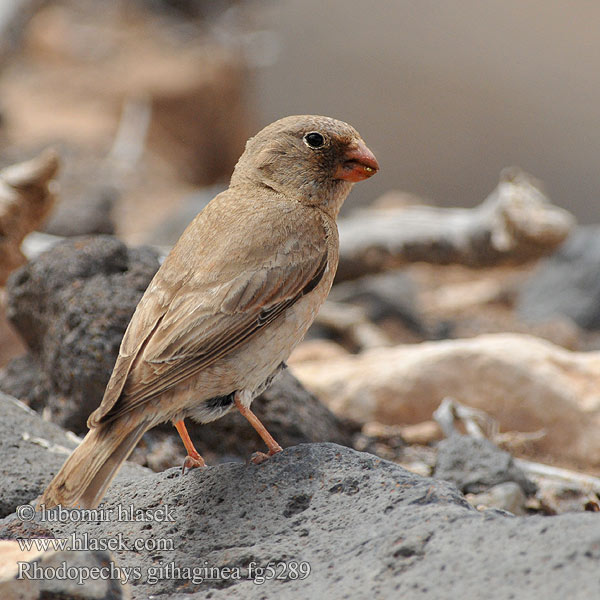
{"type": "Point", "coordinates": [359, 164]}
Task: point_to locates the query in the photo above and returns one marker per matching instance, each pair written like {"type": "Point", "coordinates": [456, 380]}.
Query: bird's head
{"type": "Point", "coordinates": [310, 159]}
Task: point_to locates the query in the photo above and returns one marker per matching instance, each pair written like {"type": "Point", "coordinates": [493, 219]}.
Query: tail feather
{"type": "Point", "coordinates": [87, 473]}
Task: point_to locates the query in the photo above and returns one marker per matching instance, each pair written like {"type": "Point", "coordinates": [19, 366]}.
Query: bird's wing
{"type": "Point", "coordinates": [173, 336]}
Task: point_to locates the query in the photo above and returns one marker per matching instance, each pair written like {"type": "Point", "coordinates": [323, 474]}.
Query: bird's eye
{"type": "Point", "coordinates": [314, 139]}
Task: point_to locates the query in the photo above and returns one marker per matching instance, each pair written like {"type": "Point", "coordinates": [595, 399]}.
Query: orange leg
{"type": "Point", "coordinates": [267, 438]}
{"type": "Point", "coordinates": [193, 459]}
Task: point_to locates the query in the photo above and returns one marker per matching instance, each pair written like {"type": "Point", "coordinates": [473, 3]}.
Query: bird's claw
{"type": "Point", "coordinates": [259, 457]}
{"type": "Point", "coordinates": [192, 462]}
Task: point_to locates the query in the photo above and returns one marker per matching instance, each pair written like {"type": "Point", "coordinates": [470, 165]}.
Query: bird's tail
{"type": "Point", "coordinates": [87, 473]}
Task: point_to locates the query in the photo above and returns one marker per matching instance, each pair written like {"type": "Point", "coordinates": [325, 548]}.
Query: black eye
{"type": "Point", "coordinates": [314, 139]}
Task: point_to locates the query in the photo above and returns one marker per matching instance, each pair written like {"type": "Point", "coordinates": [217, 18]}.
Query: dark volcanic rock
{"type": "Point", "coordinates": [23, 379]}
{"type": "Point", "coordinates": [365, 527]}
{"type": "Point", "coordinates": [72, 305]}
{"type": "Point", "coordinates": [320, 504]}
{"type": "Point", "coordinates": [475, 465]}
{"type": "Point", "coordinates": [326, 519]}
{"type": "Point", "coordinates": [566, 284]}
{"type": "Point", "coordinates": [31, 452]}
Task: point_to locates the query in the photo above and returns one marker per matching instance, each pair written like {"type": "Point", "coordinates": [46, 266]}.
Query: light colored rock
{"type": "Point", "coordinates": [40, 574]}
{"type": "Point", "coordinates": [26, 197]}
{"type": "Point", "coordinates": [423, 433]}
{"type": "Point", "coordinates": [318, 349]}
{"type": "Point", "coordinates": [525, 383]}
{"type": "Point", "coordinates": [504, 496]}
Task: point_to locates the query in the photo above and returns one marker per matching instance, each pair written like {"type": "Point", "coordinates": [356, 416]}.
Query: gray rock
{"type": "Point", "coordinates": [567, 284]}
{"type": "Point", "coordinates": [72, 305]}
{"type": "Point", "coordinates": [23, 379]}
{"type": "Point", "coordinates": [31, 452]}
{"type": "Point", "coordinates": [366, 527]}
{"type": "Point", "coordinates": [323, 504]}
{"type": "Point", "coordinates": [474, 465]}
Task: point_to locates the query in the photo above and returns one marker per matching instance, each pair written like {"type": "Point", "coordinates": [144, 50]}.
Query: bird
{"type": "Point", "coordinates": [230, 302]}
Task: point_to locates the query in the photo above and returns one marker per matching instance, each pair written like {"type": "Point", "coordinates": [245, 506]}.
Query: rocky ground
{"type": "Point", "coordinates": [316, 517]}
{"type": "Point", "coordinates": [439, 423]}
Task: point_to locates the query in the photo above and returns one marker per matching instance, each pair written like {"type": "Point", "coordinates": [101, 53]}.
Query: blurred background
{"type": "Point", "coordinates": [449, 93]}
{"type": "Point", "coordinates": [167, 91]}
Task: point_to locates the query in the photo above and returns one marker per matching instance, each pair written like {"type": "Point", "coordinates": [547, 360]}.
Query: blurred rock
{"type": "Point", "coordinates": [556, 497]}
{"type": "Point", "coordinates": [159, 102]}
{"type": "Point", "coordinates": [10, 342]}
{"type": "Point", "coordinates": [13, 24]}
{"type": "Point", "coordinates": [515, 224]}
{"type": "Point", "coordinates": [200, 120]}
{"type": "Point", "coordinates": [23, 379]}
{"type": "Point", "coordinates": [423, 433]}
{"type": "Point", "coordinates": [525, 383]}
{"type": "Point", "coordinates": [71, 306]}
{"type": "Point", "coordinates": [385, 441]}
{"type": "Point", "coordinates": [316, 349]}
{"type": "Point", "coordinates": [169, 230]}
{"type": "Point", "coordinates": [383, 296]}
{"type": "Point", "coordinates": [475, 465]}
{"type": "Point", "coordinates": [567, 284]}
{"type": "Point", "coordinates": [85, 214]}
{"type": "Point", "coordinates": [349, 325]}
{"type": "Point", "coordinates": [460, 302]}
{"type": "Point", "coordinates": [451, 298]}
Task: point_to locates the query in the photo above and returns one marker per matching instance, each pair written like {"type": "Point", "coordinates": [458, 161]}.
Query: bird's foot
{"type": "Point", "coordinates": [272, 445]}
{"type": "Point", "coordinates": [192, 462]}
{"type": "Point", "coordinates": [259, 457]}
{"type": "Point", "coordinates": [193, 458]}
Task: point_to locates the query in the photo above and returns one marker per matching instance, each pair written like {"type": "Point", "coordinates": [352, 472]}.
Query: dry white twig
{"type": "Point", "coordinates": [515, 224]}
{"type": "Point", "coordinates": [477, 422]}
{"type": "Point", "coordinates": [589, 482]}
